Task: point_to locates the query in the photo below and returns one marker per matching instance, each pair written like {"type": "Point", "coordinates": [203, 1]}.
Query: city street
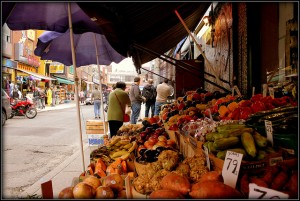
{"type": "Point", "coordinates": [34, 147]}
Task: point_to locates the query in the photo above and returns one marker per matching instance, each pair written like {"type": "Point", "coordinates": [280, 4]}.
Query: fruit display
{"type": "Point", "coordinates": [108, 187]}
{"type": "Point", "coordinates": [129, 129]}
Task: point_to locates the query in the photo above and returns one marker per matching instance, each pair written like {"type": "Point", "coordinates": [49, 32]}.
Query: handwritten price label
{"type": "Point", "coordinates": [269, 130]}
{"type": "Point", "coordinates": [231, 168]}
{"type": "Point", "coordinates": [237, 91]}
{"type": "Point", "coordinates": [258, 192]}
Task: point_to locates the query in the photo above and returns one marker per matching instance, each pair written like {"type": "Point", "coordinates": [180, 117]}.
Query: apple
{"type": "Point", "coordinates": [83, 191]}
{"type": "Point", "coordinates": [92, 181]}
{"type": "Point", "coordinates": [66, 193]}
{"type": "Point", "coordinates": [104, 193]}
{"type": "Point", "coordinates": [152, 139]}
{"type": "Point", "coordinates": [143, 134]}
{"type": "Point", "coordinates": [148, 144]}
{"type": "Point", "coordinates": [161, 143]}
{"type": "Point", "coordinates": [114, 181]}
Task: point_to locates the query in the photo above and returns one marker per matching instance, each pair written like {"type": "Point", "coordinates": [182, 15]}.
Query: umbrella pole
{"type": "Point", "coordinates": [76, 83]}
{"type": "Point", "coordinates": [102, 106]}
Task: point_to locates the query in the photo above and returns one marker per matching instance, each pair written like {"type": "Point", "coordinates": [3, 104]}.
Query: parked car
{"type": "Point", "coordinates": [6, 108]}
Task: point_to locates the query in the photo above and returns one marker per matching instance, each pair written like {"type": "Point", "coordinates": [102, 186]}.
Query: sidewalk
{"type": "Point", "coordinates": [63, 175]}
{"type": "Point", "coordinates": [58, 106]}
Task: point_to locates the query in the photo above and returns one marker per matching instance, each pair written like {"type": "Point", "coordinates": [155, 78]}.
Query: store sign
{"type": "Point", "coordinates": [27, 59]}
{"type": "Point", "coordinates": [9, 63]}
{"type": "Point", "coordinates": [57, 68]}
{"type": "Point", "coordinates": [31, 34]}
{"type": "Point", "coordinates": [26, 67]}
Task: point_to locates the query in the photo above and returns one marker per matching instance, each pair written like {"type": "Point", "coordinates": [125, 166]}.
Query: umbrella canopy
{"type": "Point", "coordinates": [52, 16]}
{"type": "Point", "coordinates": [56, 46]}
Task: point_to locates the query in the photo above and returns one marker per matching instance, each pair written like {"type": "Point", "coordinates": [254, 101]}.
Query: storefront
{"type": "Point", "coordinates": [8, 68]}
{"type": "Point", "coordinates": [27, 78]}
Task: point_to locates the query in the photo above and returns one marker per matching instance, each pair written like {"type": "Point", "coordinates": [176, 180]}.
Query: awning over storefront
{"type": "Point", "coordinates": [64, 81]}
{"type": "Point", "coordinates": [41, 77]}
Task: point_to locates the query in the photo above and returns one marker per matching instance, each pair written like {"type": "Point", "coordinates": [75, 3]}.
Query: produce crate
{"type": "Point", "coordinates": [95, 132]}
{"type": "Point", "coordinates": [96, 127]}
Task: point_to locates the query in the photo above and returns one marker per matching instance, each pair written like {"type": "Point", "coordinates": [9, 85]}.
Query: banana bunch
{"type": "Point", "coordinates": [238, 138]}
{"type": "Point", "coordinates": [121, 148]}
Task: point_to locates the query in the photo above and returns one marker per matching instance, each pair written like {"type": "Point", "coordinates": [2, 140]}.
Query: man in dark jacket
{"type": "Point", "coordinates": [136, 99]}
{"type": "Point", "coordinates": [149, 92]}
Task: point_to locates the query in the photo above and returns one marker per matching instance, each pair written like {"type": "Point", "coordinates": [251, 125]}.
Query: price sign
{"type": "Point", "coordinates": [269, 130]}
{"type": "Point", "coordinates": [207, 157]}
{"type": "Point", "coordinates": [237, 91]}
{"type": "Point", "coordinates": [258, 192]}
{"type": "Point", "coordinates": [231, 168]}
{"type": "Point", "coordinates": [253, 91]}
{"type": "Point", "coordinates": [232, 92]}
{"type": "Point", "coordinates": [271, 92]}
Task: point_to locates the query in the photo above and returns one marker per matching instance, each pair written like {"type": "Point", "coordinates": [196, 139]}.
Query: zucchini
{"type": "Point", "coordinates": [225, 143]}
{"type": "Point", "coordinates": [260, 141]}
{"type": "Point", "coordinates": [249, 144]}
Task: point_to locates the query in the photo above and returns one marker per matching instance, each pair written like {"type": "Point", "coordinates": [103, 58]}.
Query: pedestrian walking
{"type": "Point", "coordinates": [49, 96]}
{"type": "Point", "coordinates": [42, 98]}
{"type": "Point", "coordinates": [136, 99]}
{"type": "Point", "coordinates": [81, 96]}
{"type": "Point", "coordinates": [96, 97]}
{"type": "Point", "coordinates": [163, 90]}
{"type": "Point", "coordinates": [53, 97]}
{"type": "Point", "coordinates": [119, 102]}
{"type": "Point", "coordinates": [149, 92]}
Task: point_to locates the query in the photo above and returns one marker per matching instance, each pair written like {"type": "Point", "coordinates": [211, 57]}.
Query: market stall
{"type": "Point", "coordinates": [199, 142]}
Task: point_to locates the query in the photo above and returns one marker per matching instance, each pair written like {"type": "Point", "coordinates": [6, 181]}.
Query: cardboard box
{"type": "Point", "coordinates": [95, 139]}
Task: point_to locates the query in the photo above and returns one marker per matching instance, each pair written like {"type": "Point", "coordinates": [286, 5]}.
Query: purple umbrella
{"type": "Point", "coordinates": [52, 16]}
{"type": "Point", "coordinates": [56, 46]}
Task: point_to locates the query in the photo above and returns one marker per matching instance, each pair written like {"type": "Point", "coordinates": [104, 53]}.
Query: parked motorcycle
{"type": "Point", "coordinates": [23, 107]}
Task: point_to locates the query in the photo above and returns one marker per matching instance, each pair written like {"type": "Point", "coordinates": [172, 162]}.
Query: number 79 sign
{"type": "Point", "coordinates": [231, 168]}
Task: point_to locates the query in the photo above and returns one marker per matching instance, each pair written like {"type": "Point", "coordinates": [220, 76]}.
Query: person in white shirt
{"type": "Point", "coordinates": [163, 90]}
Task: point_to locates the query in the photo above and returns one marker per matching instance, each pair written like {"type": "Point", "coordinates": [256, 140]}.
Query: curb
{"type": "Point", "coordinates": [34, 188]}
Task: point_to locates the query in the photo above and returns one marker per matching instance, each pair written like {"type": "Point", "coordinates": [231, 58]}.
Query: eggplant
{"type": "Point", "coordinates": [142, 151]}
{"type": "Point", "coordinates": [160, 149]}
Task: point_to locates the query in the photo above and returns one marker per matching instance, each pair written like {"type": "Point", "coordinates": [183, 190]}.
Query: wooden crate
{"type": "Point", "coordinates": [96, 127]}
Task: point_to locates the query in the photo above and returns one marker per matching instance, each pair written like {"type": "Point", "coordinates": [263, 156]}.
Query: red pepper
{"type": "Point", "coordinates": [266, 99]}
{"type": "Point", "coordinates": [236, 114]}
{"type": "Point", "coordinates": [277, 102]}
{"type": "Point", "coordinates": [256, 97]}
{"type": "Point", "coordinates": [269, 106]}
{"type": "Point", "coordinates": [245, 112]}
{"type": "Point", "coordinates": [258, 106]}
{"type": "Point", "coordinates": [245, 103]}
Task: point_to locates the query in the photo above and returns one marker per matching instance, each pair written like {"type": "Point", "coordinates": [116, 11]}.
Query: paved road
{"type": "Point", "coordinates": [31, 148]}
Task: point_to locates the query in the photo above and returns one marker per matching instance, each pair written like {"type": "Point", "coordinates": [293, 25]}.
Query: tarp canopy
{"type": "Point", "coordinates": [64, 81]}
{"type": "Point", "coordinates": [153, 25]}
{"type": "Point", "coordinates": [42, 77]}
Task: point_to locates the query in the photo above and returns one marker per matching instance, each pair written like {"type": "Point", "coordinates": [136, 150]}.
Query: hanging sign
{"type": "Point", "coordinates": [231, 168]}
{"type": "Point", "coordinates": [253, 91]}
{"type": "Point", "coordinates": [265, 89]}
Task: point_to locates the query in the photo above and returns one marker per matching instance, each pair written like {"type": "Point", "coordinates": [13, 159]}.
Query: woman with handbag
{"type": "Point", "coordinates": [117, 113]}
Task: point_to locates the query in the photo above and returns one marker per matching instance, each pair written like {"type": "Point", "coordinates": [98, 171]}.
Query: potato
{"type": "Point", "coordinates": [173, 181]}
{"type": "Point", "coordinates": [166, 194]}
{"type": "Point", "coordinates": [211, 176]}
{"type": "Point", "coordinates": [213, 190]}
